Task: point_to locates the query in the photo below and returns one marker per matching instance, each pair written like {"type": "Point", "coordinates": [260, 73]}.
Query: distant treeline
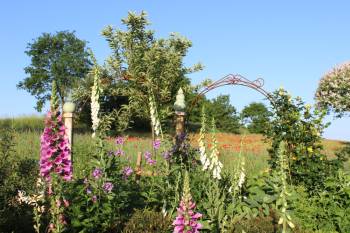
{"type": "Point", "coordinates": [253, 118]}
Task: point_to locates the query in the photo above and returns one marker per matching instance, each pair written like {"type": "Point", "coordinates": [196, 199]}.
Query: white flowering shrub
{"type": "Point", "coordinates": [333, 92]}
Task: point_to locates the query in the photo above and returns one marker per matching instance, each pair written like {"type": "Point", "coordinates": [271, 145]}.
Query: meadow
{"type": "Point", "coordinates": [27, 146]}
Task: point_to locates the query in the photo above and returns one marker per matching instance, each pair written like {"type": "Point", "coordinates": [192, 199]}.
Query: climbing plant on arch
{"type": "Point", "coordinates": [297, 125]}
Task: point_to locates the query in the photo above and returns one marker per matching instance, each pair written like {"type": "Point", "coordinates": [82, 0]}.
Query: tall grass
{"type": "Point", "coordinates": [24, 123]}
{"type": "Point", "coordinates": [27, 146]}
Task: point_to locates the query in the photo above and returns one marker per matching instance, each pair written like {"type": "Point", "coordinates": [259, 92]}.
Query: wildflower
{"type": "Point", "coordinates": [94, 198]}
{"type": "Point", "coordinates": [65, 202]}
{"type": "Point", "coordinates": [156, 144]}
{"type": "Point", "coordinates": [86, 181]}
{"type": "Point", "coordinates": [95, 94]}
{"type": "Point", "coordinates": [58, 203]}
{"type": "Point", "coordinates": [187, 220]}
{"type": "Point", "coordinates": [119, 140]}
{"type": "Point", "coordinates": [54, 150]}
{"type": "Point", "coordinates": [110, 153]}
{"type": "Point", "coordinates": [241, 177]}
{"type": "Point", "coordinates": [148, 157]}
{"type": "Point", "coordinates": [202, 149]}
{"type": "Point", "coordinates": [119, 152]}
{"type": "Point", "coordinates": [97, 173]}
{"type": "Point", "coordinates": [107, 187]}
{"type": "Point", "coordinates": [154, 116]}
{"type": "Point", "coordinates": [127, 171]}
{"type": "Point", "coordinates": [88, 191]}
{"type": "Point", "coordinates": [151, 162]}
{"type": "Point", "coordinates": [215, 164]}
{"type": "Point", "coordinates": [166, 155]}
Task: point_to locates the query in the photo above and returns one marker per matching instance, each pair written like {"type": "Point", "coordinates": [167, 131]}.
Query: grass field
{"type": "Point", "coordinates": [254, 149]}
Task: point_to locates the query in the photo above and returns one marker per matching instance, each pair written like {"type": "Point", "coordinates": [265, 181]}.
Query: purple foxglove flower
{"type": "Point", "coordinates": [97, 173]}
{"type": "Point", "coordinates": [107, 187]}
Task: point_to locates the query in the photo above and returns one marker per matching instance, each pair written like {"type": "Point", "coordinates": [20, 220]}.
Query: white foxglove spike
{"type": "Point", "coordinates": [95, 105]}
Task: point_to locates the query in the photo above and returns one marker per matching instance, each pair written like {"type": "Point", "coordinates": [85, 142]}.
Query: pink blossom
{"type": "Point", "coordinates": [187, 220]}
{"type": "Point", "coordinates": [55, 152]}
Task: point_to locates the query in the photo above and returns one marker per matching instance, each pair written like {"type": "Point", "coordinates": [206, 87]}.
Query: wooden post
{"type": "Point", "coordinates": [179, 107]}
{"type": "Point", "coordinates": [138, 166]}
{"type": "Point", "coordinates": [180, 123]}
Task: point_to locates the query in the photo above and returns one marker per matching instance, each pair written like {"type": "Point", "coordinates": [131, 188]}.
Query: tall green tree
{"type": "Point", "coordinates": [141, 65]}
{"type": "Point", "coordinates": [61, 57]}
{"type": "Point", "coordinates": [257, 117]}
{"type": "Point", "coordinates": [225, 114]}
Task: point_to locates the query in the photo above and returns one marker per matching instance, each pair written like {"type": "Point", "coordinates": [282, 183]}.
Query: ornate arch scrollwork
{"type": "Point", "coordinates": [238, 80]}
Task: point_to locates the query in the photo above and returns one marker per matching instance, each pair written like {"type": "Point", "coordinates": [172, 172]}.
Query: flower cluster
{"type": "Point", "coordinates": [215, 164]}
{"type": "Point", "coordinates": [107, 187]}
{"type": "Point", "coordinates": [97, 173]}
{"type": "Point", "coordinates": [54, 151]}
{"type": "Point", "coordinates": [119, 141]}
{"type": "Point", "coordinates": [35, 200]}
{"type": "Point", "coordinates": [333, 90]}
{"type": "Point", "coordinates": [187, 220]}
{"type": "Point", "coordinates": [127, 171]}
{"type": "Point", "coordinates": [154, 116]}
{"type": "Point", "coordinates": [95, 105]}
{"type": "Point", "coordinates": [148, 157]}
{"type": "Point", "coordinates": [201, 142]}
{"type": "Point", "coordinates": [156, 144]}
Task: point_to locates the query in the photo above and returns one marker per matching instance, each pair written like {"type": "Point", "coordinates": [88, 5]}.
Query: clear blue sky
{"type": "Point", "coordinates": [288, 43]}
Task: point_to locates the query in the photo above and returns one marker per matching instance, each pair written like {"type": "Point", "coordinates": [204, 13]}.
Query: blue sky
{"type": "Point", "coordinates": [290, 44]}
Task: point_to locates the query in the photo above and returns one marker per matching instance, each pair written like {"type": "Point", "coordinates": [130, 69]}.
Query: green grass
{"type": "Point", "coordinates": [27, 146]}
{"type": "Point", "coordinates": [24, 123]}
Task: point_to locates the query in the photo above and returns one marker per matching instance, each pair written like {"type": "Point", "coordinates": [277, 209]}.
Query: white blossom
{"type": "Point", "coordinates": [333, 91]}
{"type": "Point", "coordinates": [201, 142]}
{"type": "Point", "coordinates": [154, 116]}
{"type": "Point", "coordinates": [95, 105]}
{"type": "Point", "coordinates": [215, 164]}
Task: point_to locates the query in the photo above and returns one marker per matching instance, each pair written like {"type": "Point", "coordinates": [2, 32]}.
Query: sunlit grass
{"type": "Point", "coordinates": [254, 149]}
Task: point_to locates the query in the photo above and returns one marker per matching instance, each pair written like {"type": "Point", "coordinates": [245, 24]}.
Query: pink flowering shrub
{"type": "Point", "coordinates": [333, 90]}
{"type": "Point", "coordinates": [55, 152]}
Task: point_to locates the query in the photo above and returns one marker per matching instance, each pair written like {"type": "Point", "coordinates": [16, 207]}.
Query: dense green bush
{"type": "Point", "coordinates": [300, 128]}
{"type": "Point", "coordinates": [148, 221]}
{"type": "Point", "coordinates": [329, 209]}
{"type": "Point", "coordinates": [16, 174]}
